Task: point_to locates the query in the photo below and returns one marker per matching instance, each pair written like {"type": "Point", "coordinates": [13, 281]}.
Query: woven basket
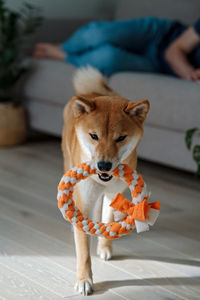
{"type": "Point", "coordinates": [13, 125]}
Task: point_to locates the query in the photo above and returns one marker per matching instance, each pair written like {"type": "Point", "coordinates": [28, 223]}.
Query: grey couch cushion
{"type": "Point", "coordinates": [175, 103]}
{"type": "Point", "coordinates": [50, 81]}
{"type": "Point", "coordinates": [186, 11]}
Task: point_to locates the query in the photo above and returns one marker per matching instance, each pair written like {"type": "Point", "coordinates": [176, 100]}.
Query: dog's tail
{"type": "Point", "coordinates": [89, 80]}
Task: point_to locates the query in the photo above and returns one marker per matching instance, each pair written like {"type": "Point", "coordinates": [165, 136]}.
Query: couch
{"type": "Point", "coordinates": [175, 103]}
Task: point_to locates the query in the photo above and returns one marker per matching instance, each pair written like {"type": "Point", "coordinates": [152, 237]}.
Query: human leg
{"type": "Point", "coordinates": [135, 34]}
{"type": "Point", "coordinates": [110, 59]}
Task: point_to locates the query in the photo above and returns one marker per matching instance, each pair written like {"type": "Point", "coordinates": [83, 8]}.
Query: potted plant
{"type": "Point", "coordinates": [14, 29]}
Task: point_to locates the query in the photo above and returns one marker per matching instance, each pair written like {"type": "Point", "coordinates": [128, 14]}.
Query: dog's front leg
{"type": "Point", "coordinates": [84, 271]}
{"type": "Point", "coordinates": [88, 197]}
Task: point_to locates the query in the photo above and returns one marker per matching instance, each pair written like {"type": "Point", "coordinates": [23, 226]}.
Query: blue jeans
{"type": "Point", "coordinates": [115, 46]}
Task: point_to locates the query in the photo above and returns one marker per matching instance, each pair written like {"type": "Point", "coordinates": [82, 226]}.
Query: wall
{"type": "Point", "coordinates": [71, 9]}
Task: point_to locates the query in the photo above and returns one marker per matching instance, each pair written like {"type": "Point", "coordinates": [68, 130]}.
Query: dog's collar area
{"type": "Point", "coordinates": [105, 177]}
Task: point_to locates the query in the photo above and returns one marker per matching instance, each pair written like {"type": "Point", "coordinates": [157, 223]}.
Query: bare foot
{"type": "Point", "coordinates": [44, 50]}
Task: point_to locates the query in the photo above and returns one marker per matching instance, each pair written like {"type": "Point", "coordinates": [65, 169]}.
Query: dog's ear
{"type": "Point", "coordinates": [138, 110]}
{"type": "Point", "coordinates": [82, 106]}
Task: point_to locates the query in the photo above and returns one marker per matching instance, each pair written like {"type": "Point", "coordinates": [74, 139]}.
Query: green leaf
{"type": "Point", "coordinates": [3, 10]}
{"type": "Point", "coordinates": [196, 153]}
{"type": "Point", "coordinates": [188, 137]}
{"type": "Point", "coordinates": [10, 78]}
{"type": "Point", "coordinates": [196, 157]}
{"type": "Point", "coordinates": [198, 170]}
{"type": "Point", "coordinates": [11, 29]}
{"type": "Point", "coordinates": [9, 56]}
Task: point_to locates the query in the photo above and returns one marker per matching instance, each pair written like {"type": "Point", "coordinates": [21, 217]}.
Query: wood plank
{"type": "Point", "coordinates": [180, 197]}
{"type": "Point", "coordinates": [158, 234]}
{"type": "Point", "coordinates": [36, 267]}
{"type": "Point", "coordinates": [32, 166]}
{"type": "Point", "coordinates": [139, 243]}
{"type": "Point", "coordinates": [23, 199]}
{"type": "Point", "coordinates": [16, 286]}
{"type": "Point", "coordinates": [163, 263]}
{"type": "Point", "coordinates": [40, 189]}
{"type": "Point", "coordinates": [40, 243]}
{"type": "Point", "coordinates": [133, 263]}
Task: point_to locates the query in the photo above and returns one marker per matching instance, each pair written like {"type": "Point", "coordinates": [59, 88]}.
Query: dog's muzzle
{"type": "Point", "coordinates": [105, 177]}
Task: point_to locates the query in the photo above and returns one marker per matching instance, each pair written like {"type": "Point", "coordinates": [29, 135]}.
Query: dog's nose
{"type": "Point", "coordinates": [104, 165]}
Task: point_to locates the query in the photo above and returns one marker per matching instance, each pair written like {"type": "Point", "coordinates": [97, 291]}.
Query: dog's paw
{"type": "Point", "coordinates": [84, 287]}
{"type": "Point", "coordinates": [105, 252]}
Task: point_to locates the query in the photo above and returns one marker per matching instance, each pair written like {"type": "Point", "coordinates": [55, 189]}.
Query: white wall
{"type": "Point", "coordinates": [71, 8]}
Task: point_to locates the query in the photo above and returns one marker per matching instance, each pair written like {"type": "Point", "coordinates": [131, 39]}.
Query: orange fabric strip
{"type": "Point", "coordinates": [120, 203]}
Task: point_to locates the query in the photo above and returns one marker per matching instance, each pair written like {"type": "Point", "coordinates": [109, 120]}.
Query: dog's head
{"type": "Point", "coordinates": [109, 128]}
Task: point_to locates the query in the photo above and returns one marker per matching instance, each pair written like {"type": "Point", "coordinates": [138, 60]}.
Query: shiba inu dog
{"type": "Point", "coordinates": [101, 126]}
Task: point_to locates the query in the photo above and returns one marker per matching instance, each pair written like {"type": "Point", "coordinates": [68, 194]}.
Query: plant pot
{"type": "Point", "coordinates": [13, 125]}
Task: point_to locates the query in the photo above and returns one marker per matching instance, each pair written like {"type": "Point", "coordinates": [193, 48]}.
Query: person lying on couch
{"type": "Point", "coordinates": [145, 44]}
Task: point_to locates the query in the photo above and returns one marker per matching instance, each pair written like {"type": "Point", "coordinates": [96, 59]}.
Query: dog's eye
{"type": "Point", "coordinates": [121, 138]}
{"type": "Point", "coordinates": [94, 136]}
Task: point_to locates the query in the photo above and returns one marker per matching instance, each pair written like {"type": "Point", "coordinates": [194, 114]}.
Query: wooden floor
{"type": "Point", "coordinates": [37, 259]}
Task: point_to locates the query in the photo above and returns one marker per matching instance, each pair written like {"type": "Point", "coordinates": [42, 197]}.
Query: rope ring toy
{"type": "Point", "coordinates": [140, 214]}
